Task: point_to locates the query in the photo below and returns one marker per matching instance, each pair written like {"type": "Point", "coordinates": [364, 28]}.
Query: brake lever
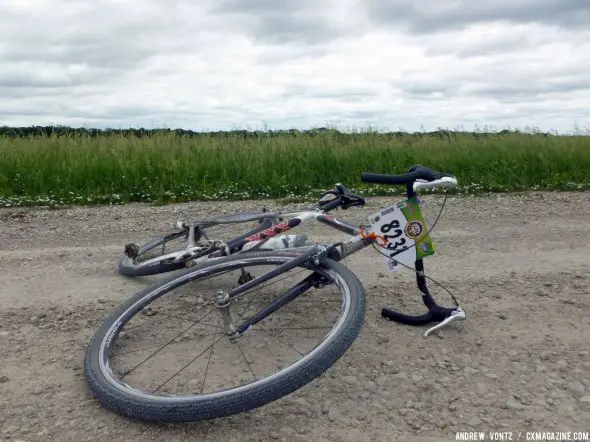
{"type": "Point", "coordinates": [457, 315]}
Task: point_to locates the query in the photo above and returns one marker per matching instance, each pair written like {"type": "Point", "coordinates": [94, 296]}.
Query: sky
{"type": "Point", "coordinates": [281, 64]}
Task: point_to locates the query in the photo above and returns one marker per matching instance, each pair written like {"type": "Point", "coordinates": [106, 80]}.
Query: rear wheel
{"type": "Point", "coordinates": [164, 355]}
{"type": "Point", "coordinates": [158, 255]}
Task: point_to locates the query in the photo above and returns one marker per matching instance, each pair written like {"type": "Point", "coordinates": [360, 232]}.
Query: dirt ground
{"type": "Point", "coordinates": [520, 265]}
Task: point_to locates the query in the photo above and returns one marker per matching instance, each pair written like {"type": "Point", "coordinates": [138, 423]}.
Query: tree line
{"type": "Point", "coordinates": [60, 131]}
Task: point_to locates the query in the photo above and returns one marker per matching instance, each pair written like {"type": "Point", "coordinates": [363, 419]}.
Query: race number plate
{"type": "Point", "coordinates": [402, 234]}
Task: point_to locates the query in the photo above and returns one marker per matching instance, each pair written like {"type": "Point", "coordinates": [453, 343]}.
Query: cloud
{"type": "Point", "coordinates": [282, 22]}
{"type": "Point", "coordinates": [429, 16]}
{"type": "Point", "coordinates": [212, 65]}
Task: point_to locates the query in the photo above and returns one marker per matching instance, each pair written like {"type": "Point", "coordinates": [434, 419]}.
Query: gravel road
{"type": "Point", "coordinates": [520, 265]}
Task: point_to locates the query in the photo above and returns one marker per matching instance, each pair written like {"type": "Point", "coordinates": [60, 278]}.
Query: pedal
{"type": "Point", "coordinates": [457, 315]}
{"type": "Point", "coordinates": [131, 250]}
{"type": "Point", "coordinates": [244, 277]}
{"type": "Point", "coordinates": [181, 225]}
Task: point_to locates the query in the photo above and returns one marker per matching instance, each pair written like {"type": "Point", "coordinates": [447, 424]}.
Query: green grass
{"type": "Point", "coordinates": [117, 168]}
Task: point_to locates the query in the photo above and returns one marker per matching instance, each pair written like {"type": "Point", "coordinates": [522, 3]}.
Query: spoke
{"type": "Point", "coordinates": [287, 345]}
{"type": "Point", "coordinates": [299, 300]}
{"type": "Point", "coordinates": [245, 310]}
{"type": "Point", "coordinates": [189, 363]}
{"type": "Point", "coordinates": [290, 328]}
{"type": "Point", "coordinates": [188, 320]}
{"type": "Point", "coordinates": [208, 363]}
{"type": "Point", "coordinates": [157, 345]}
{"type": "Point", "coordinates": [156, 352]}
{"type": "Point", "coordinates": [213, 330]}
{"type": "Point", "coordinates": [159, 319]}
{"type": "Point", "coordinates": [246, 359]}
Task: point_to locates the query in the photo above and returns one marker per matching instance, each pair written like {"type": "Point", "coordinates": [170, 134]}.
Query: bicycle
{"type": "Point", "coordinates": [395, 230]}
{"type": "Point", "coordinates": [199, 248]}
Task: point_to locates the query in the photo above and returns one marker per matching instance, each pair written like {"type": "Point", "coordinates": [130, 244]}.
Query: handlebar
{"type": "Point", "coordinates": [443, 315]}
{"type": "Point", "coordinates": [436, 313]}
{"type": "Point", "coordinates": [418, 176]}
{"type": "Point", "coordinates": [331, 205]}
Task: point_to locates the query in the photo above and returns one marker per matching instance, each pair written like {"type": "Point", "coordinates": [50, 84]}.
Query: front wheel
{"type": "Point", "coordinates": [171, 337]}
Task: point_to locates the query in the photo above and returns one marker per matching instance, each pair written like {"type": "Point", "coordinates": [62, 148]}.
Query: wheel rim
{"type": "Point", "coordinates": [109, 342]}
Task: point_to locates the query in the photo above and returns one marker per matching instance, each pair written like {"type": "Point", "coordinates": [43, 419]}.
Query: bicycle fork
{"type": "Point", "coordinates": [436, 313]}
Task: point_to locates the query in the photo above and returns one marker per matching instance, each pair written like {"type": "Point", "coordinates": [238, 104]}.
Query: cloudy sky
{"type": "Point", "coordinates": [223, 64]}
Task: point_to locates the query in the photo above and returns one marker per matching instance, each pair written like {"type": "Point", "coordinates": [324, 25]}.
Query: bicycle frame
{"type": "Point", "coordinates": [197, 253]}
{"type": "Point", "coordinates": [311, 257]}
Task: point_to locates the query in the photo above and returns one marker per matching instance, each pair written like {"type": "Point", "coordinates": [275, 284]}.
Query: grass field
{"type": "Point", "coordinates": [117, 168]}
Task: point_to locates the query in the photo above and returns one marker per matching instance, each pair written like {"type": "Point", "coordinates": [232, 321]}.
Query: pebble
{"type": "Point", "coordinates": [400, 375]}
{"type": "Point", "coordinates": [286, 431]}
{"type": "Point", "coordinates": [4, 379]}
{"type": "Point", "coordinates": [545, 355]}
{"type": "Point", "coordinates": [350, 380]}
{"type": "Point", "coordinates": [383, 381]}
{"type": "Point", "coordinates": [382, 339]}
{"type": "Point", "coordinates": [333, 414]}
{"type": "Point", "coordinates": [513, 405]}
{"type": "Point", "coordinates": [512, 353]}
{"type": "Point", "coordinates": [76, 366]}
{"type": "Point", "coordinates": [576, 387]}
{"type": "Point", "coordinates": [11, 429]}
{"type": "Point", "coordinates": [361, 414]}
{"type": "Point", "coordinates": [35, 320]}
{"type": "Point", "coordinates": [30, 412]}
{"type": "Point", "coordinates": [585, 399]}
{"type": "Point", "coordinates": [474, 422]}
{"type": "Point", "coordinates": [481, 388]}
{"type": "Point", "coordinates": [303, 429]}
